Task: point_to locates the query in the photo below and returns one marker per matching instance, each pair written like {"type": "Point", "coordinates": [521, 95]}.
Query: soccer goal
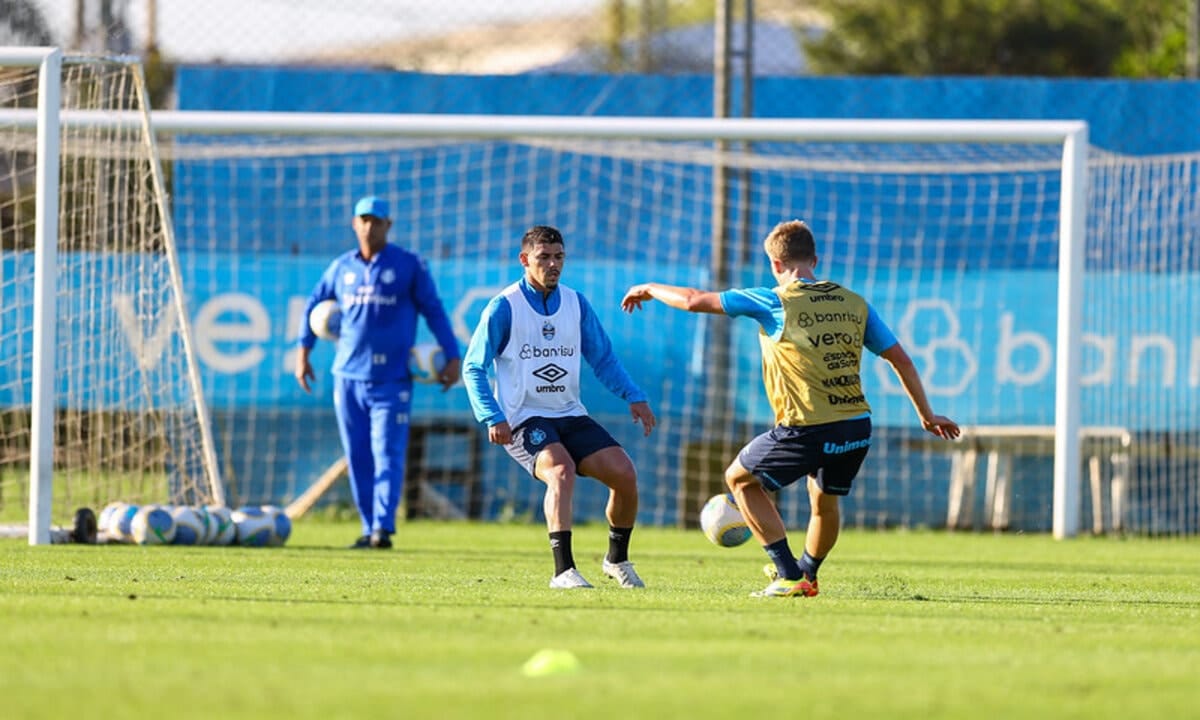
{"type": "Point", "coordinates": [1044, 287]}
{"type": "Point", "coordinates": [99, 388]}
{"type": "Point", "coordinates": [948, 227]}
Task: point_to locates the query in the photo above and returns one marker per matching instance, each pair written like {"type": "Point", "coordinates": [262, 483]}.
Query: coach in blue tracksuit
{"type": "Point", "coordinates": [380, 288]}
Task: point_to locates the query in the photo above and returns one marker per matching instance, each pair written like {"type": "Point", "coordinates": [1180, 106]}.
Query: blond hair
{"type": "Point", "coordinates": [791, 241]}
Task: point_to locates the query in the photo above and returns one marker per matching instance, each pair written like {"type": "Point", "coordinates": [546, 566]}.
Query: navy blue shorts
{"type": "Point", "coordinates": [579, 434]}
{"type": "Point", "coordinates": [832, 453]}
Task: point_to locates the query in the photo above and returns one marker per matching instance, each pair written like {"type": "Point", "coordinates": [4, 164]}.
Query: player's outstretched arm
{"type": "Point", "coordinates": [682, 298]}
{"type": "Point", "coordinates": [904, 368]}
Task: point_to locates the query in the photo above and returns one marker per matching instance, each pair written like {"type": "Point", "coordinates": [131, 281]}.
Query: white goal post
{"type": "Point", "coordinates": [137, 428]}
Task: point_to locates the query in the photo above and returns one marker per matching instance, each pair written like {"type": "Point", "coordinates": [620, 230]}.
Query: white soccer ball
{"type": "Point", "coordinates": [118, 521]}
{"type": "Point", "coordinates": [209, 522]}
{"type": "Point", "coordinates": [722, 521]}
{"type": "Point", "coordinates": [152, 525]}
{"type": "Point", "coordinates": [104, 520]}
{"type": "Point", "coordinates": [281, 525]}
{"type": "Point", "coordinates": [224, 530]}
{"type": "Point", "coordinates": [190, 527]}
{"type": "Point", "coordinates": [325, 319]}
{"type": "Point", "coordinates": [254, 527]}
{"type": "Point", "coordinates": [426, 362]}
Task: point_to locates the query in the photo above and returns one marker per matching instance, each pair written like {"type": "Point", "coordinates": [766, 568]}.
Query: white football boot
{"type": "Point", "coordinates": [623, 573]}
{"type": "Point", "coordinates": [568, 579]}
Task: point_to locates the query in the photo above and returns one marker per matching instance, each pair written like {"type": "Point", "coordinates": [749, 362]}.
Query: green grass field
{"type": "Point", "coordinates": [908, 625]}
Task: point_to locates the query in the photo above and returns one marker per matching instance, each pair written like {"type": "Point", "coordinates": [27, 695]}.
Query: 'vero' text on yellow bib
{"type": "Point", "coordinates": [811, 372]}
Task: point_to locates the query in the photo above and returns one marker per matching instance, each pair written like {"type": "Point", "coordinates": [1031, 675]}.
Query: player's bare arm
{"type": "Point", "coordinates": [681, 298]}
{"type": "Point", "coordinates": [906, 371]}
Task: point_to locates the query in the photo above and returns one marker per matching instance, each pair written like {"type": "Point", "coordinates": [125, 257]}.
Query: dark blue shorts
{"type": "Point", "coordinates": [832, 453]}
{"type": "Point", "coordinates": [579, 434]}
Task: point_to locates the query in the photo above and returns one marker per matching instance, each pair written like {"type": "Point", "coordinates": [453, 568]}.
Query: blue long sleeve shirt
{"type": "Point", "coordinates": [491, 337]}
{"type": "Point", "coordinates": [380, 301]}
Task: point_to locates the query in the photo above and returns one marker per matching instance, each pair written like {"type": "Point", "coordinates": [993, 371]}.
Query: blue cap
{"type": "Point", "coordinates": [372, 205]}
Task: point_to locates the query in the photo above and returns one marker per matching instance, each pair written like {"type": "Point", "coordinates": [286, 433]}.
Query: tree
{"type": "Point", "coordinates": [1159, 31]}
{"type": "Point", "coordinates": [1083, 38]}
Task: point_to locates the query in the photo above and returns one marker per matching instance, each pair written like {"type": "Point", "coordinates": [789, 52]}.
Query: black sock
{"type": "Point", "coordinates": [809, 565]}
{"type": "Point", "coordinates": [618, 544]}
{"type": "Point", "coordinates": [560, 545]}
{"type": "Point", "coordinates": [785, 562]}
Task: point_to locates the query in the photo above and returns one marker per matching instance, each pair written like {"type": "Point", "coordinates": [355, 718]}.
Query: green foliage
{"type": "Point", "coordinates": [1080, 38]}
{"type": "Point", "coordinates": [1158, 29]}
{"type": "Point", "coordinates": [908, 625]}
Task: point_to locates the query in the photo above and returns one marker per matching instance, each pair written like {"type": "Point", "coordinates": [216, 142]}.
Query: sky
{"type": "Point", "coordinates": [264, 30]}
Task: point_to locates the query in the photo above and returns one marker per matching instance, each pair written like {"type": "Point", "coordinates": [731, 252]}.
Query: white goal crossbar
{"type": "Point", "coordinates": [1071, 136]}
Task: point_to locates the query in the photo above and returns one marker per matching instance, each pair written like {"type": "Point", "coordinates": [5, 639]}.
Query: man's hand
{"type": "Point", "coordinates": [642, 413]}
{"type": "Point", "coordinates": [304, 370]}
{"type": "Point", "coordinates": [941, 426]}
{"type": "Point", "coordinates": [635, 296]}
{"type": "Point", "coordinates": [500, 433]}
{"type": "Point", "coordinates": [450, 373]}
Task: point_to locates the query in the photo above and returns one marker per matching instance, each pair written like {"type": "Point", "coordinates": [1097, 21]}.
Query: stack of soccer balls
{"type": "Point", "coordinates": [249, 526]}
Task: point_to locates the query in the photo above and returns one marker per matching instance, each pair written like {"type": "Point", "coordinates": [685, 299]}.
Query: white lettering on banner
{"type": "Point", "coordinates": [233, 333]}
{"type": "Point", "coordinates": [295, 311]}
{"type": "Point", "coordinates": [1141, 343]}
{"type": "Point", "coordinates": [1107, 347]}
{"type": "Point", "coordinates": [463, 308]}
{"type": "Point", "coordinates": [147, 350]}
{"type": "Point", "coordinates": [1194, 372]}
{"type": "Point", "coordinates": [1010, 342]}
{"type": "Point", "coordinates": [927, 352]}
{"type": "Point", "coordinates": [210, 330]}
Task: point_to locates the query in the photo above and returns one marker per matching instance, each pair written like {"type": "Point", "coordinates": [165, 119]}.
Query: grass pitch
{"type": "Point", "coordinates": [925, 625]}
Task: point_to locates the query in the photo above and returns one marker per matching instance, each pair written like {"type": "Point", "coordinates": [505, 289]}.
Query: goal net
{"type": "Point", "coordinates": [122, 405]}
{"type": "Point", "coordinates": [956, 243]}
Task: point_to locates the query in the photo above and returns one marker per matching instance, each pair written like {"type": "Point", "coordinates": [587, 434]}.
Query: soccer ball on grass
{"type": "Point", "coordinates": [254, 527]}
{"type": "Point", "coordinates": [281, 525]}
{"type": "Point", "coordinates": [722, 521]}
{"type": "Point", "coordinates": [153, 525]}
{"type": "Point", "coordinates": [191, 528]}
{"type": "Point", "coordinates": [224, 531]}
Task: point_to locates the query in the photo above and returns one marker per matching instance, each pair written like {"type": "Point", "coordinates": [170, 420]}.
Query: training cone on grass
{"type": "Point", "coordinates": [550, 662]}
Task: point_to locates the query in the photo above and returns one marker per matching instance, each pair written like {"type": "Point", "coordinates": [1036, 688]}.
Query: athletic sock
{"type": "Point", "coordinates": [785, 562]}
{"type": "Point", "coordinates": [618, 544]}
{"type": "Point", "coordinates": [560, 545]}
{"type": "Point", "coordinates": [809, 565]}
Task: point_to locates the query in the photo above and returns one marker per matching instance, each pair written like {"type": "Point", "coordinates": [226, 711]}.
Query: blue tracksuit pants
{"type": "Point", "coordinates": [373, 422]}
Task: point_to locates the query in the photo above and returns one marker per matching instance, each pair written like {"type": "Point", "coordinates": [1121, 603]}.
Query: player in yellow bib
{"type": "Point", "coordinates": [812, 334]}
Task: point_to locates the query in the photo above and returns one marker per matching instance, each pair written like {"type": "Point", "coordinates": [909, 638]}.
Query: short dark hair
{"type": "Point", "coordinates": [541, 235]}
{"type": "Point", "coordinates": [791, 241]}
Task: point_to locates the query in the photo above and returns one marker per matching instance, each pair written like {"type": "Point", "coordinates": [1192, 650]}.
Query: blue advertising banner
{"type": "Point", "coordinates": [984, 341]}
